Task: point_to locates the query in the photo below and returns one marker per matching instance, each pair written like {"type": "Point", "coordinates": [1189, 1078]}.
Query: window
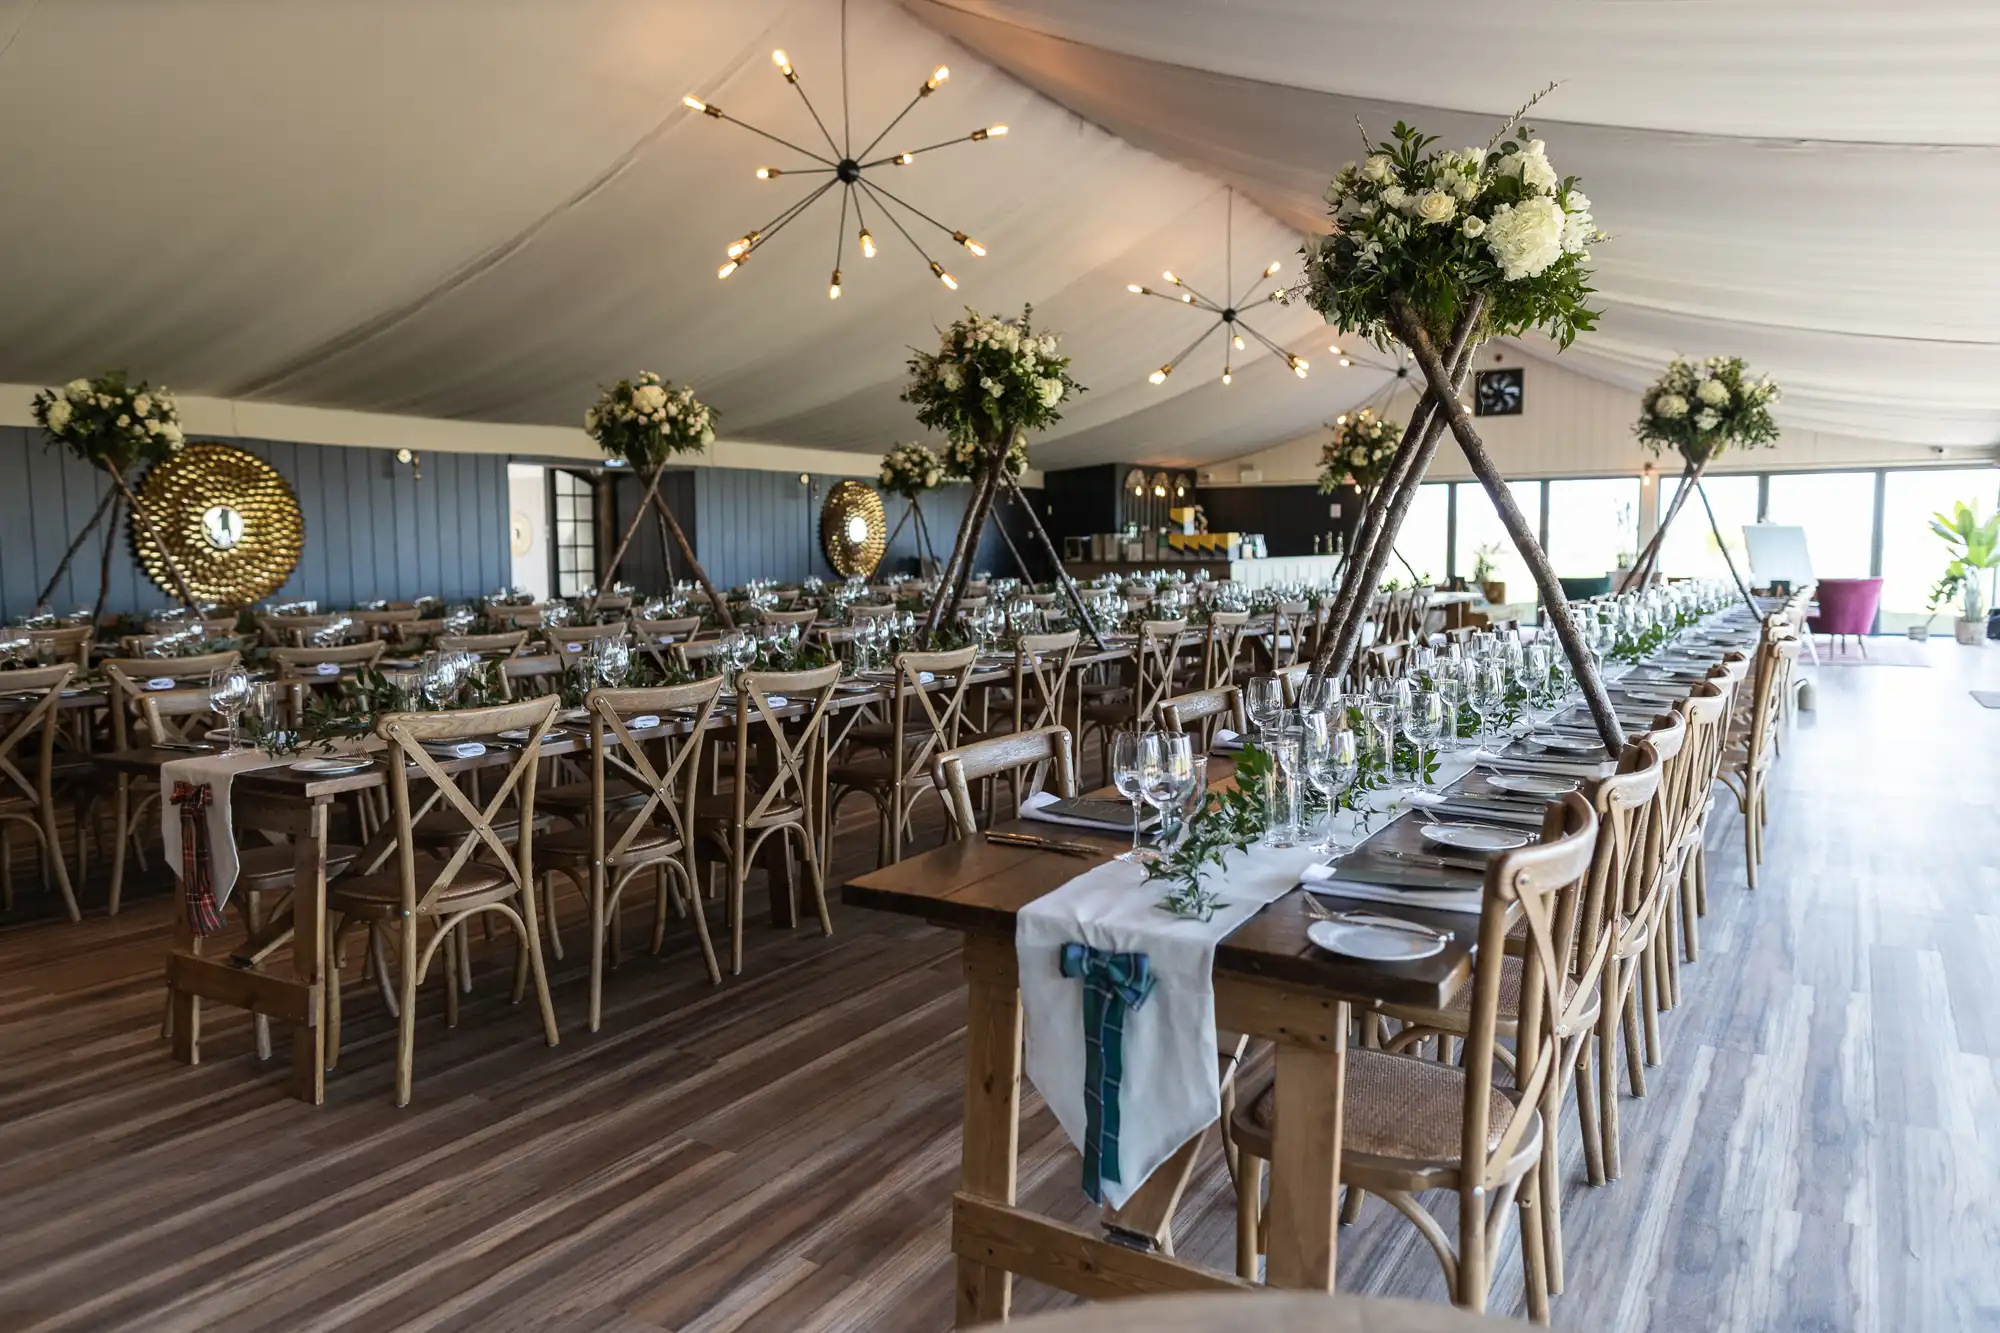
{"type": "Point", "coordinates": [1689, 550]}
{"type": "Point", "coordinates": [1837, 510]}
{"type": "Point", "coordinates": [576, 534]}
{"type": "Point", "coordinates": [1479, 526]}
{"type": "Point", "coordinates": [1593, 526]}
{"type": "Point", "coordinates": [1421, 541]}
{"type": "Point", "coordinates": [1913, 557]}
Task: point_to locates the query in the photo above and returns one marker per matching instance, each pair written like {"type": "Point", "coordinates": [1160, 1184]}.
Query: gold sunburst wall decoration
{"type": "Point", "coordinates": [229, 519]}
{"type": "Point", "coordinates": [853, 528]}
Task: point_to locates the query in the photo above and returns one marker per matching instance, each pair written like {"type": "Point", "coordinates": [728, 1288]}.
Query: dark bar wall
{"type": "Point", "coordinates": [372, 529]}
{"type": "Point", "coordinates": [1288, 516]}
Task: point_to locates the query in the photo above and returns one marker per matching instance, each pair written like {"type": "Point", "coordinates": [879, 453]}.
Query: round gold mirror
{"type": "Point", "coordinates": [229, 519]}
{"type": "Point", "coordinates": [853, 528]}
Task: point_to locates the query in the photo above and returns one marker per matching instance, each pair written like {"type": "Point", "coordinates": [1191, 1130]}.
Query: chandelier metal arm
{"type": "Point", "coordinates": [1275, 350]}
{"type": "Point", "coordinates": [1199, 340]}
{"type": "Point", "coordinates": [779, 223]}
{"type": "Point", "coordinates": [916, 152]}
{"type": "Point", "coordinates": [825, 133]}
{"type": "Point", "coordinates": [913, 208]}
{"type": "Point", "coordinates": [803, 152]}
{"type": "Point", "coordinates": [872, 190]}
{"type": "Point", "coordinates": [1200, 299]}
{"type": "Point", "coordinates": [922, 93]}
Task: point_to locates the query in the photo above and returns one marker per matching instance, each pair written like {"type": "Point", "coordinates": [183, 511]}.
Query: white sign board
{"type": "Point", "coordinates": [1777, 554]}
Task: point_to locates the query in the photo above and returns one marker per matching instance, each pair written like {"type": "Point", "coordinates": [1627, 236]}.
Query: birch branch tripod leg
{"type": "Point", "coordinates": [1069, 587]}
{"type": "Point", "coordinates": [104, 569]}
{"type": "Point", "coordinates": [1641, 572]}
{"type": "Point", "coordinates": [139, 511]}
{"type": "Point", "coordinates": [1716, 528]}
{"type": "Point", "coordinates": [1523, 537]}
{"type": "Point", "coordinates": [76, 544]}
{"type": "Point", "coordinates": [715, 599]}
{"type": "Point", "coordinates": [1367, 536]}
{"type": "Point", "coordinates": [631, 530]}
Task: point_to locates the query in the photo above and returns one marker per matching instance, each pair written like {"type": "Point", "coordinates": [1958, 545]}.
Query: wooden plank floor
{"type": "Point", "coordinates": [1820, 1150]}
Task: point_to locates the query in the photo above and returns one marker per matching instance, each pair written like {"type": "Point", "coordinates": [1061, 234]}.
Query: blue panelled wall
{"type": "Point", "coordinates": [375, 530]}
{"type": "Point", "coordinates": [372, 529]}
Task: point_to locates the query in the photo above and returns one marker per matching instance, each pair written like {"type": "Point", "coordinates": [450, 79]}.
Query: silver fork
{"type": "Point", "coordinates": [1371, 919]}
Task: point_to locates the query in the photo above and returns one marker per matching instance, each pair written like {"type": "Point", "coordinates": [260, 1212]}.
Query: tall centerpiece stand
{"type": "Point", "coordinates": [645, 421]}
{"type": "Point", "coordinates": [118, 426]}
{"type": "Point", "coordinates": [1440, 250]}
{"type": "Point", "coordinates": [1698, 409]}
{"type": "Point", "coordinates": [909, 470]}
{"type": "Point", "coordinates": [990, 383]}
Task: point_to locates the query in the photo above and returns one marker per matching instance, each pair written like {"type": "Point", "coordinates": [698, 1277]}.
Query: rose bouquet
{"type": "Point", "coordinates": [990, 376]}
{"type": "Point", "coordinates": [909, 470]}
{"type": "Point", "coordinates": [1433, 228]}
{"type": "Point", "coordinates": [1700, 408]}
{"type": "Point", "coordinates": [961, 459]}
{"type": "Point", "coordinates": [110, 421]}
{"type": "Point", "coordinates": [1359, 453]}
{"type": "Point", "coordinates": [644, 421]}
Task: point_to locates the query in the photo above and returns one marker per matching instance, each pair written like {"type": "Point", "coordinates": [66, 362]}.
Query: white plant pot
{"type": "Point", "coordinates": [1971, 633]}
{"type": "Point", "coordinates": [1921, 633]}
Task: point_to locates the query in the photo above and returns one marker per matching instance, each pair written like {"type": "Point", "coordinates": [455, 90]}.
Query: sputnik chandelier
{"type": "Point", "coordinates": [847, 169]}
{"type": "Point", "coordinates": [1230, 315]}
{"type": "Point", "coordinates": [1401, 362]}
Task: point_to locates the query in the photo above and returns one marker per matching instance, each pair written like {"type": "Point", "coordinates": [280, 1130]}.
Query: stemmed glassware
{"type": "Point", "coordinates": [1165, 784]}
{"type": "Point", "coordinates": [1263, 703]}
{"type": "Point", "coordinates": [1133, 756]}
{"type": "Point", "coordinates": [1423, 722]}
{"type": "Point", "coordinates": [614, 659]}
{"type": "Point", "coordinates": [1287, 742]}
{"type": "Point", "coordinates": [1331, 764]}
{"type": "Point", "coordinates": [228, 692]}
{"type": "Point", "coordinates": [1488, 698]}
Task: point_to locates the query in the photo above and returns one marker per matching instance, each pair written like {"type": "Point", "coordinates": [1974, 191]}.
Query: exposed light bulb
{"type": "Point", "coordinates": [1334, 350]}
{"type": "Point", "coordinates": [1277, 293]}
{"type": "Point", "coordinates": [990, 132]}
{"type": "Point", "coordinates": [727, 269]}
{"type": "Point", "coordinates": [1225, 377]}
{"type": "Point", "coordinates": [766, 173]}
{"type": "Point", "coordinates": [903, 159]}
{"type": "Point", "coordinates": [1275, 266]}
{"type": "Point", "coordinates": [1340, 420]}
{"type": "Point", "coordinates": [1188, 297]}
{"type": "Point", "coordinates": [943, 276]}
{"type": "Point", "coordinates": [867, 244]}
{"type": "Point", "coordinates": [968, 243]}
{"type": "Point", "coordinates": [938, 76]}
{"type": "Point", "coordinates": [1135, 289]}
{"type": "Point", "coordinates": [694, 103]}
{"type": "Point", "coordinates": [1299, 367]}
{"type": "Point", "coordinates": [1169, 276]}
{"type": "Point", "coordinates": [833, 288]}
{"type": "Point", "coordinates": [1238, 340]}
{"type": "Point", "coordinates": [778, 58]}
{"type": "Point", "coordinates": [1160, 376]}
{"type": "Point", "coordinates": [998, 131]}
{"type": "Point", "coordinates": [1345, 361]}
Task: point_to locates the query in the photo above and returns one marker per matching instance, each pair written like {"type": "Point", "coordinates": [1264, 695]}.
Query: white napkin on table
{"type": "Point", "coordinates": [218, 772]}
{"type": "Point", "coordinates": [162, 683]}
{"type": "Point", "coordinates": [1035, 807]}
{"type": "Point", "coordinates": [1225, 739]}
{"type": "Point", "coordinates": [327, 668]}
{"type": "Point", "coordinates": [643, 721]}
{"type": "Point", "coordinates": [1324, 878]}
{"type": "Point", "coordinates": [1170, 1087]}
{"type": "Point", "coordinates": [454, 749]}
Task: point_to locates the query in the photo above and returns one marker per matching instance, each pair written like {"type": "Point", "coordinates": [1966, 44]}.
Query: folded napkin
{"type": "Point", "coordinates": [1225, 739]}
{"type": "Point", "coordinates": [454, 749]}
{"type": "Point", "coordinates": [1037, 807]}
{"type": "Point", "coordinates": [1547, 764]}
{"type": "Point", "coordinates": [1118, 1006]}
{"type": "Point", "coordinates": [1490, 811]}
{"type": "Point", "coordinates": [327, 668]}
{"type": "Point", "coordinates": [1444, 890]}
{"type": "Point", "coordinates": [162, 683]}
{"type": "Point", "coordinates": [642, 722]}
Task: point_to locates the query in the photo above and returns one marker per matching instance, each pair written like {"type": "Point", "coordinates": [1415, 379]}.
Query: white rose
{"type": "Point", "coordinates": [590, 421]}
{"type": "Point", "coordinates": [1671, 406]}
{"type": "Point", "coordinates": [142, 406]}
{"type": "Point", "coordinates": [1577, 202]}
{"type": "Point", "coordinates": [993, 388]}
{"type": "Point", "coordinates": [59, 415]}
{"type": "Point", "coordinates": [1536, 171]}
{"type": "Point", "coordinates": [1394, 196]}
{"type": "Point", "coordinates": [1436, 207]}
{"type": "Point", "coordinates": [1579, 229]}
{"type": "Point", "coordinates": [1472, 225]}
{"type": "Point", "coordinates": [124, 420]}
{"type": "Point", "coordinates": [1376, 168]}
{"type": "Point", "coordinates": [1048, 344]}
{"type": "Point", "coordinates": [171, 434]}
{"type": "Point", "coordinates": [1525, 238]}
{"type": "Point", "coordinates": [1706, 419]}
{"type": "Point", "coordinates": [1713, 392]}
{"type": "Point", "coordinates": [77, 390]}
{"type": "Point", "coordinates": [649, 397]}
{"type": "Point", "coordinates": [1051, 391]}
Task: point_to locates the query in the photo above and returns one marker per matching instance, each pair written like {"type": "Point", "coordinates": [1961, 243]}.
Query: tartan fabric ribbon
{"type": "Point", "coordinates": [1114, 984]}
{"type": "Point", "coordinates": [204, 914]}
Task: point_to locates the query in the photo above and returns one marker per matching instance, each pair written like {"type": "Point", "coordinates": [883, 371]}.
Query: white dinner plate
{"type": "Point", "coordinates": [1376, 943]}
{"type": "Point", "coordinates": [1531, 784]}
{"type": "Point", "coordinates": [573, 715]}
{"type": "Point", "coordinates": [1473, 837]}
{"type": "Point", "coordinates": [522, 733]}
{"type": "Point", "coordinates": [327, 768]}
{"type": "Point", "coordinates": [1653, 696]}
{"type": "Point", "coordinates": [1567, 744]}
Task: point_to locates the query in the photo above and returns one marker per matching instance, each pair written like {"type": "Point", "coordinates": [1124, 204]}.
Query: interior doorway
{"type": "Point", "coordinates": [528, 528]}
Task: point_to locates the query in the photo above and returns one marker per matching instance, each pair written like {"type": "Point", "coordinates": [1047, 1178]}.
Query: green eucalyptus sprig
{"type": "Point", "coordinates": [1231, 819]}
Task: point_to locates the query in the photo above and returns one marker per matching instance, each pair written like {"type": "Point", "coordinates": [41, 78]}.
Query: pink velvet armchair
{"type": "Point", "coordinates": [1846, 608]}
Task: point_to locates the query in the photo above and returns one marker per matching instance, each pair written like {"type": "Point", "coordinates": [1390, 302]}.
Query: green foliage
{"type": "Point", "coordinates": [646, 421]}
{"type": "Point", "coordinates": [989, 377]}
{"type": "Point", "coordinates": [1359, 454]}
{"type": "Point", "coordinates": [110, 421]}
{"type": "Point", "coordinates": [1700, 408]}
{"type": "Point", "coordinates": [1228, 820]}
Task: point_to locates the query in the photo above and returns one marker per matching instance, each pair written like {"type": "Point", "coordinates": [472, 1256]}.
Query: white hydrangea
{"type": "Point", "coordinates": [1707, 419]}
{"type": "Point", "coordinates": [1671, 406]}
{"type": "Point", "coordinates": [649, 397]}
{"type": "Point", "coordinates": [1713, 392]}
{"type": "Point", "coordinates": [1050, 391]}
{"type": "Point", "coordinates": [1525, 238]}
{"type": "Point", "coordinates": [59, 415]}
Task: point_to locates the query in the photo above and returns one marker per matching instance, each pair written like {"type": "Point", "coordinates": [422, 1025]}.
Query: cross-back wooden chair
{"type": "Point", "coordinates": [531, 677]}
{"type": "Point", "coordinates": [1203, 713]}
{"type": "Point", "coordinates": [559, 637]}
{"type": "Point", "coordinates": [1230, 635]}
{"type": "Point", "coordinates": [1291, 680]}
{"type": "Point", "coordinates": [782, 801]}
{"type": "Point", "coordinates": [508, 643]}
{"type": "Point", "coordinates": [382, 624]}
{"type": "Point", "coordinates": [69, 643]}
{"type": "Point", "coordinates": [1155, 655]}
{"type": "Point", "coordinates": [27, 774]}
{"type": "Point", "coordinates": [786, 618]}
{"type": "Point", "coordinates": [448, 886]}
{"type": "Point", "coordinates": [1621, 804]}
{"type": "Point", "coordinates": [1381, 661]}
{"type": "Point", "coordinates": [291, 631]}
{"type": "Point", "coordinates": [404, 634]}
{"type": "Point", "coordinates": [297, 663]}
{"type": "Point", "coordinates": [1041, 677]}
{"type": "Point", "coordinates": [1746, 768]}
{"type": "Point", "coordinates": [638, 819]}
{"type": "Point", "coordinates": [1704, 713]}
{"type": "Point", "coordinates": [1044, 751]}
{"type": "Point", "coordinates": [1285, 640]}
{"type": "Point", "coordinates": [660, 632]}
{"type": "Point", "coordinates": [894, 779]}
{"type": "Point", "coordinates": [1410, 1124]}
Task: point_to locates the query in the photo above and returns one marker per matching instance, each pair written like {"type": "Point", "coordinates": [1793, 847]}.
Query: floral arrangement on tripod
{"type": "Point", "coordinates": [1363, 445]}
{"type": "Point", "coordinates": [1700, 408]}
{"type": "Point", "coordinates": [644, 421]}
{"type": "Point", "coordinates": [110, 421]}
{"type": "Point", "coordinates": [909, 470]}
{"type": "Point", "coordinates": [989, 377]}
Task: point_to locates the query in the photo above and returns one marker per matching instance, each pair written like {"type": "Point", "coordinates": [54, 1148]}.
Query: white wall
{"type": "Point", "coordinates": [528, 517]}
{"type": "Point", "coordinates": [1572, 425]}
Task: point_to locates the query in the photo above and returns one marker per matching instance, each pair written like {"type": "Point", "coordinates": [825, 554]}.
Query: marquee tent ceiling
{"type": "Point", "coordinates": [480, 209]}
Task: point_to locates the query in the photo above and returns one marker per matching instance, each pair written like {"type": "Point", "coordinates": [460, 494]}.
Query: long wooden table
{"type": "Point", "coordinates": [1269, 983]}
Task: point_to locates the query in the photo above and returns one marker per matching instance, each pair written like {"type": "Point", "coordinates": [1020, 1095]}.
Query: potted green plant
{"type": "Point", "coordinates": [1482, 574]}
{"type": "Point", "coordinates": [1975, 548]}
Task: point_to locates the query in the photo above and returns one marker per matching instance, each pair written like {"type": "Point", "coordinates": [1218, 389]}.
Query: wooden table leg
{"type": "Point", "coordinates": [1305, 1168]}
{"type": "Point", "coordinates": [184, 1006]}
{"type": "Point", "coordinates": [992, 1108]}
{"type": "Point", "coordinates": [309, 951]}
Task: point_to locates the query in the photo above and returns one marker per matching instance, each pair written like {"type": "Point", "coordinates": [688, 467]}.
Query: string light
{"type": "Point", "coordinates": [846, 164]}
{"type": "Point", "coordinates": [1228, 315]}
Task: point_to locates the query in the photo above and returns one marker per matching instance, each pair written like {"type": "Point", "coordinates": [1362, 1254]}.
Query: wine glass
{"type": "Point", "coordinates": [1166, 783]}
{"type": "Point", "coordinates": [614, 659]}
{"type": "Point", "coordinates": [1382, 717]}
{"type": "Point", "coordinates": [1263, 703]}
{"type": "Point", "coordinates": [1332, 762]}
{"type": "Point", "coordinates": [1488, 698]}
{"type": "Point", "coordinates": [1132, 754]}
{"type": "Point", "coordinates": [1423, 723]}
{"type": "Point", "coordinates": [1451, 692]}
{"type": "Point", "coordinates": [228, 692]}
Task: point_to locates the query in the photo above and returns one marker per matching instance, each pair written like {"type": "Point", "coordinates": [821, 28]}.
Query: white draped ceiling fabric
{"type": "Point", "coordinates": [481, 209]}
